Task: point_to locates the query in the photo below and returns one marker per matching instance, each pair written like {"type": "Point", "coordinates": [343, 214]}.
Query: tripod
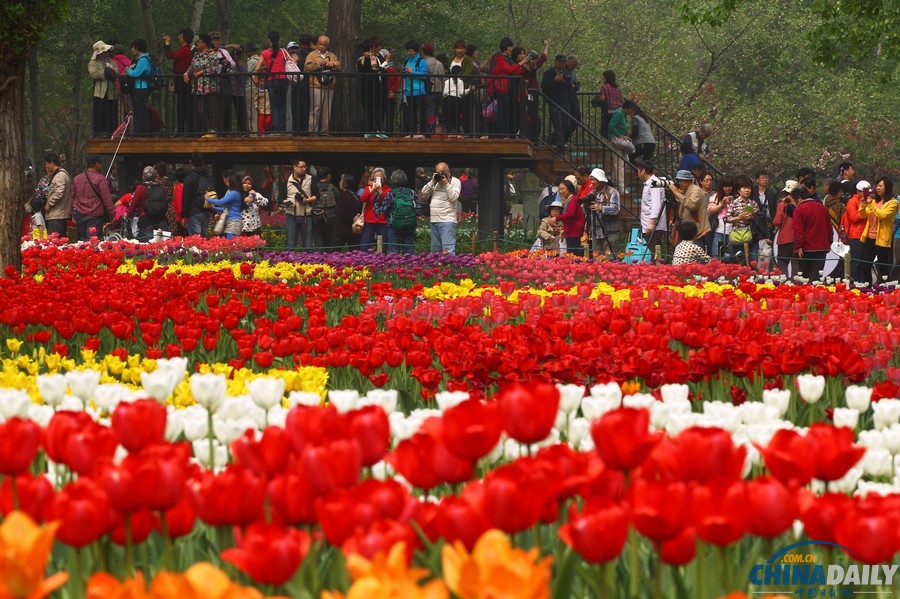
{"type": "Point", "coordinates": [662, 212]}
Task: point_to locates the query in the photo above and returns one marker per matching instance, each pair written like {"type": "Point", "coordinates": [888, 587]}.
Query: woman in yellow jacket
{"type": "Point", "coordinates": [879, 208]}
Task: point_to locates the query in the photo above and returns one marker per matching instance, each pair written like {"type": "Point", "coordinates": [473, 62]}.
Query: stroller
{"type": "Point", "coordinates": [122, 226]}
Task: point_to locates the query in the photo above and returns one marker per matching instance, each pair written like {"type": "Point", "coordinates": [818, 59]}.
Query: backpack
{"type": "Point", "coordinates": [205, 188]}
{"type": "Point", "coordinates": [155, 78]}
{"type": "Point", "coordinates": [155, 203]}
{"type": "Point", "coordinates": [327, 201]}
{"type": "Point", "coordinates": [403, 214]}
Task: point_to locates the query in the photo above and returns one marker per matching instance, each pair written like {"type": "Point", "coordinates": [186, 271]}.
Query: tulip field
{"type": "Point", "coordinates": [206, 419]}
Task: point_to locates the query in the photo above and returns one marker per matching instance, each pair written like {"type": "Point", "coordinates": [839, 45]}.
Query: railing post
{"type": "Point", "coordinates": [379, 247]}
{"type": "Point", "coordinates": [495, 237]}
{"type": "Point", "coordinates": [474, 235]}
{"type": "Point", "coordinates": [847, 266]}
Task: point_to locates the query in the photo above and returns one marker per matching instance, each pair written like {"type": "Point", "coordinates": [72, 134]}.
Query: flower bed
{"type": "Point", "coordinates": [317, 424]}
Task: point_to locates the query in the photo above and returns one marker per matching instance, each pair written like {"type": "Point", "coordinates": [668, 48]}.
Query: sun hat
{"type": "Point", "coordinates": [684, 175]}
{"type": "Point", "coordinates": [99, 48]}
{"type": "Point", "coordinates": [863, 185]}
{"type": "Point", "coordinates": [556, 204]}
{"type": "Point", "coordinates": [790, 185]}
{"type": "Point", "coordinates": [599, 175]}
{"type": "Point", "coordinates": [571, 179]}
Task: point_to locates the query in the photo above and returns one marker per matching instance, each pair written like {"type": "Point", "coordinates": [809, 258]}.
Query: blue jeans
{"type": "Point", "coordinates": [401, 241]}
{"type": "Point", "coordinates": [443, 238]}
{"type": "Point", "coordinates": [370, 233]}
{"type": "Point", "coordinates": [718, 241]}
{"type": "Point", "coordinates": [278, 89]}
{"type": "Point", "coordinates": [301, 225]}
{"type": "Point", "coordinates": [198, 224]}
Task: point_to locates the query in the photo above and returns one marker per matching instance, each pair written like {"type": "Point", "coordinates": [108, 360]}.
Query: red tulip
{"type": "Point", "coordinates": [680, 549]}
{"type": "Point", "coordinates": [472, 429]}
{"type": "Point", "coordinates": [790, 457]}
{"type": "Point", "coordinates": [129, 484]}
{"type": "Point", "coordinates": [707, 453]}
{"type": "Point", "coordinates": [869, 532]}
{"type": "Point", "coordinates": [379, 538]}
{"type": "Point", "coordinates": [266, 457]}
{"type": "Point", "coordinates": [623, 439]}
{"type": "Point", "coordinates": [823, 514]}
{"type": "Point", "coordinates": [835, 451]}
{"type": "Point", "coordinates": [139, 424]}
{"type": "Point", "coordinates": [331, 466]}
{"type": "Point", "coordinates": [599, 532]}
{"type": "Point", "coordinates": [515, 496]}
{"type": "Point", "coordinates": [83, 510]}
{"type": "Point", "coordinates": [720, 511]}
{"type": "Point", "coordinates": [772, 507]}
{"type": "Point", "coordinates": [660, 510]}
{"type": "Point", "coordinates": [180, 519]}
{"type": "Point", "coordinates": [75, 440]}
{"type": "Point", "coordinates": [171, 462]}
{"type": "Point", "coordinates": [232, 498]}
{"type": "Point", "coordinates": [342, 512]}
{"type": "Point", "coordinates": [457, 520]}
{"type": "Point", "coordinates": [315, 425]}
{"type": "Point", "coordinates": [529, 411]}
{"type": "Point", "coordinates": [372, 430]}
{"type": "Point", "coordinates": [20, 441]}
{"type": "Point", "coordinates": [143, 523]}
{"type": "Point", "coordinates": [268, 553]}
{"type": "Point", "coordinates": [292, 499]}
{"type": "Point", "coordinates": [33, 493]}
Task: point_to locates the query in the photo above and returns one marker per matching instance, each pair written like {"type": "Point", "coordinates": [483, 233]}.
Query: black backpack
{"type": "Point", "coordinates": [155, 202]}
{"type": "Point", "coordinates": [154, 79]}
{"type": "Point", "coordinates": [327, 201]}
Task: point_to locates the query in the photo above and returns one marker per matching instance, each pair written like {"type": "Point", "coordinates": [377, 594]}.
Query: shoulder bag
{"type": "Point", "coordinates": [292, 68]}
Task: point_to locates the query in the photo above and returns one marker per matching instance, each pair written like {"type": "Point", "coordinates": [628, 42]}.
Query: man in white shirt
{"type": "Point", "coordinates": [653, 212]}
{"type": "Point", "coordinates": [441, 193]}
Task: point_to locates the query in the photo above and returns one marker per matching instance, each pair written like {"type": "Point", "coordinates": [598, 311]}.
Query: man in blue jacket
{"type": "Point", "coordinates": [416, 69]}
{"type": "Point", "coordinates": [140, 92]}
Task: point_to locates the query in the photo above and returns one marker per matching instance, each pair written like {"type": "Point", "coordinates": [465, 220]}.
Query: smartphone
{"type": "Point", "coordinates": [378, 180]}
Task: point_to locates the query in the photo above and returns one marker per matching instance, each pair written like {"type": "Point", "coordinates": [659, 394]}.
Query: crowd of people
{"type": "Point", "coordinates": [214, 87]}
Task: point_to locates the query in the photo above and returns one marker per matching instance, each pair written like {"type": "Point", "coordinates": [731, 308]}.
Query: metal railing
{"type": "Point", "coordinates": [352, 104]}
{"type": "Point", "coordinates": [668, 145]}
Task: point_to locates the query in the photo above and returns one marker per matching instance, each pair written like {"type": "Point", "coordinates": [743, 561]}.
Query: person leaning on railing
{"type": "Point", "coordinates": [181, 62]}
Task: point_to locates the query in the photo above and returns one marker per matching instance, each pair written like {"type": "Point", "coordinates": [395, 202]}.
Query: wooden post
{"type": "Point", "coordinates": [379, 247]}
{"type": "Point", "coordinates": [496, 241]}
{"type": "Point", "coordinates": [474, 235]}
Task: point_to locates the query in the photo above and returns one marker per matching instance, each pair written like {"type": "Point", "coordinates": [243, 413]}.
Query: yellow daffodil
{"type": "Point", "coordinates": [495, 569]}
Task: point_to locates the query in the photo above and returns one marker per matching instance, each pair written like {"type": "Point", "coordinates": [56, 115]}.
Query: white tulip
{"type": "Point", "coordinates": [847, 484]}
{"type": "Point", "coordinates": [82, 383]}
{"type": "Point", "coordinates": [495, 455]}
{"type": "Point", "coordinates": [195, 422]}
{"type": "Point", "coordinates": [797, 529]}
{"type": "Point", "coordinates": [176, 367]}
{"type": "Point", "coordinates": [674, 392]}
{"type": "Point", "coordinates": [818, 487]}
{"type": "Point", "coordinates": [174, 424]}
{"type": "Point", "coordinates": [266, 391]}
{"type": "Point", "coordinates": [107, 397]}
{"type": "Point", "coordinates": [227, 431]}
{"type": "Point", "coordinates": [858, 397]}
{"type": "Point", "coordinates": [890, 438]}
{"type": "Point", "coordinates": [579, 429]}
{"type": "Point", "coordinates": [561, 423]}
{"type": "Point", "coordinates": [872, 439]}
{"type": "Point", "coordinates": [304, 398]}
{"type": "Point", "coordinates": [870, 488]}
{"type": "Point", "coordinates": [780, 399]}
{"type": "Point", "coordinates": [552, 439]}
{"type": "Point", "coordinates": [678, 422]}
{"type": "Point", "coordinates": [753, 412]}
{"type": "Point", "coordinates": [587, 444]}
{"type": "Point", "coordinates": [14, 403]}
{"type": "Point", "coordinates": [638, 400]}
{"type": "Point", "coordinates": [399, 427]}
{"type": "Point", "coordinates": [41, 415]}
{"type": "Point", "coordinates": [381, 471]}
{"type": "Point", "coordinates": [447, 399]}
{"type": "Point", "coordinates": [209, 390]}
{"type": "Point", "coordinates": [512, 450]}
{"type": "Point", "coordinates": [877, 462]}
{"type": "Point", "coordinates": [201, 454]}
{"type": "Point", "coordinates": [847, 417]}
{"type": "Point", "coordinates": [811, 387]}
{"type": "Point", "coordinates": [159, 384]}
{"type": "Point", "coordinates": [594, 407]}
{"type": "Point", "coordinates": [887, 413]}
{"type": "Point", "coordinates": [659, 415]}
{"type": "Point", "coordinates": [570, 397]}
{"type": "Point", "coordinates": [386, 398]}
{"type": "Point", "coordinates": [277, 417]}
{"type": "Point", "coordinates": [344, 401]}
{"type": "Point", "coordinates": [52, 388]}
{"type": "Point", "coordinates": [608, 391]}
{"type": "Point", "coordinates": [751, 459]}
{"type": "Point", "coordinates": [727, 415]}
{"type": "Point", "coordinates": [70, 403]}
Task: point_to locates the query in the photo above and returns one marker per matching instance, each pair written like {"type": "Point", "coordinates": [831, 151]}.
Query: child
{"type": "Point", "coordinates": [688, 250]}
{"type": "Point", "coordinates": [38, 225]}
{"type": "Point", "coordinates": [551, 229]}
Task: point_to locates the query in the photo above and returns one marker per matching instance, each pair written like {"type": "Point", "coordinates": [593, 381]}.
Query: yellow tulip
{"type": "Point", "coordinates": [24, 550]}
{"type": "Point", "coordinates": [13, 345]}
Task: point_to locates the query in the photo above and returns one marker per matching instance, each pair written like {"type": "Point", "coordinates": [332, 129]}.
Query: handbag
{"type": "Point", "coordinates": [489, 112]}
{"type": "Point", "coordinates": [741, 236]}
{"type": "Point", "coordinates": [321, 217]}
{"type": "Point", "coordinates": [623, 144]}
{"type": "Point", "coordinates": [358, 223]}
{"type": "Point", "coordinates": [219, 227]}
{"type": "Point", "coordinates": [292, 68]}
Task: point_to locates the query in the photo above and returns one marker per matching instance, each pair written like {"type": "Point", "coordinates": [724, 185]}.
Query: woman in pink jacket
{"type": "Point", "coordinates": [572, 218]}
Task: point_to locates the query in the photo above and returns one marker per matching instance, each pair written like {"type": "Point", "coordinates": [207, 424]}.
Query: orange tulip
{"type": "Point", "coordinates": [737, 595]}
{"type": "Point", "coordinates": [24, 549]}
{"type": "Point", "coordinates": [388, 576]}
{"type": "Point", "coordinates": [495, 569]}
{"type": "Point", "coordinates": [200, 581]}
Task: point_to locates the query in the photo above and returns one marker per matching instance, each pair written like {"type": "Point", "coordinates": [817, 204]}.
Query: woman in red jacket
{"type": "Point", "coordinates": [853, 223]}
{"type": "Point", "coordinates": [376, 224]}
{"type": "Point", "coordinates": [504, 84]}
{"type": "Point", "coordinates": [572, 218]}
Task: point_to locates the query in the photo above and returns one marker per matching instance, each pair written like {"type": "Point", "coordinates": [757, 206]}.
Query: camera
{"type": "Point", "coordinates": [438, 177]}
{"type": "Point", "coordinates": [661, 183]}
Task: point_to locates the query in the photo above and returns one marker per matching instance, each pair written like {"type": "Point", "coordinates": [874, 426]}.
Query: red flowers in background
{"type": "Point", "coordinates": [598, 533]}
{"type": "Point", "coordinates": [623, 438]}
{"type": "Point", "coordinates": [268, 553]}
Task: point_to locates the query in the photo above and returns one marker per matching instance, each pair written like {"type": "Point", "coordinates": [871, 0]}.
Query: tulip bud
{"type": "Point", "coordinates": [344, 401]}
{"type": "Point", "coordinates": [674, 393]}
{"type": "Point", "coordinates": [610, 392]}
{"type": "Point", "coordinates": [594, 407]}
{"type": "Point", "coordinates": [304, 398]}
{"type": "Point", "coordinates": [887, 413]}
{"type": "Point", "coordinates": [779, 399]}
{"type": "Point", "coordinates": [201, 454]}
{"type": "Point", "coordinates": [811, 387]}
{"type": "Point", "coordinates": [195, 423]}
{"type": "Point", "coordinates": [845, 417]}
{"type": "Point", "coordinates": [159, 384]}
{"type": "Point", "coordinates": [570, 397]}
{"type": "Point", "coordinates": [638, 401]}
{"type": "Point", "coordinates": [82, 383]}
{"type": "Point", "coordinates": [14, 403]}
{"type": "Point", "coordinates": [209, 390]}
{"type": "Point", "coordinates": [52, 388]}
{"type": "Point", "coordinates": [858, 397]}
{"type": "Point", "coordinates": [174, 424]}
{"type": "Point", "coordinates": [107, 397]}
{"type": "Point", "coordinates": [227, 431]}
{"type": "Point", "coordinates": [890, 438]}
{"type": "Point", "coordinates": [579, 429]}
{"type": "Point", "coordinates": [266, 391]}
{"type": "Point", "coordinates": [447, 399]}
{"type": "Point", "coordinates": [386, 398]}
{"type": "Point", "coordinates": [877, 462]}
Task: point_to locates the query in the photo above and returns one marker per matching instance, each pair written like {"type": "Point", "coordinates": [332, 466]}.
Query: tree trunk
{"type": "Point", "coordinates": [34, 105]}
{"type": "Point", "coordinates": [12, 157]}
{"type": "Point", "coordinates": [223, 19]}
{"type": "Point", "coordinates": [149, 27]}
{"type": "Point", "coordinates": [198, 16]}
{"type": "Point", "coordinates": [344, 31]}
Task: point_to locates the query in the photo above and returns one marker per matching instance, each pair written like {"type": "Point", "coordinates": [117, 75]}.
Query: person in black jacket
{"type": "Point", "coordinates": [348, 206]}
{"type": "Point", "coordinates": [766, 203]}
{"type": "Point", "coordinates": [194, 215]}
{"type": "Point", "coordinates": [556, 85]}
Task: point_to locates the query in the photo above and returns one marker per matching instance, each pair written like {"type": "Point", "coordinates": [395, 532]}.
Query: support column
{"type": "Point", "coordinates": [490, 198]}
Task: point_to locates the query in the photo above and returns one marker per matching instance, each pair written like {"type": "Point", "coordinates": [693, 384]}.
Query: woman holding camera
{"type": "Point", "coordinates": [718, 210]}
{"type": "Point", "coordinates": [879, 208]}
{"type": "Point", "coordinates": [572, 218]}
{"type": "Point", "coordinates": [372, 195]}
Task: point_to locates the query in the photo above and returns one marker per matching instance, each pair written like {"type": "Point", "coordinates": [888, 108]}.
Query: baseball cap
{"type": "Point", "coordinates": [292, 45]}
{"type": "Point", "coordinates": [863, 185]}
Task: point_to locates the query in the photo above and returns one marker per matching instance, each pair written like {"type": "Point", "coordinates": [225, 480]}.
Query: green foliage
{"type": "Point", "coordinates": [24, 22]}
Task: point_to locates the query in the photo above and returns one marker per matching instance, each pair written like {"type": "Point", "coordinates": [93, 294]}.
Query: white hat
{"type": "Point", "coordinates": [571, 179]}
{"type": "Point", "coordinates": [599, 175]}
{"type": "Point", "coordinates": [292, 45]}
{"type": "Point", "coordinates": [556, 204]}
{"type": "Point", "coordinates": [790, 185]}
{"type": "Point", "coordinates": [863, 185]}
{"type": "Point", "coordinates": [99, 48]}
